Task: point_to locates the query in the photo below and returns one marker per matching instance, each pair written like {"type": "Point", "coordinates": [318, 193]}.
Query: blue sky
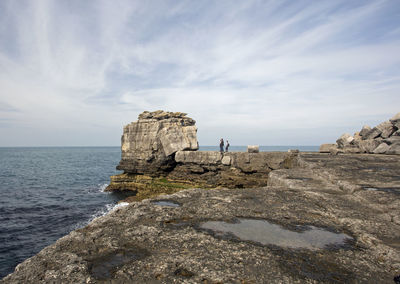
{"type": "Point", "coordinates": [256, 72]}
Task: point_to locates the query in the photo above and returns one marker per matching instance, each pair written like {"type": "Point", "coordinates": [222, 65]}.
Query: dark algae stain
{"type": "Point", "coordinates": [105, 266]}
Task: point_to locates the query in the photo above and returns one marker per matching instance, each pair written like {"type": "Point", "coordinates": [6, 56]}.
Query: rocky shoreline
{"type": "Point", "coordinates": [147, 242]}
{"type": "Point", "coordinates": [257, 218]}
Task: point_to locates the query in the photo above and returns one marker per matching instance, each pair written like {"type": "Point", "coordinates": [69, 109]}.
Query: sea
{"type": "Point", "coordinates": [47, 192]}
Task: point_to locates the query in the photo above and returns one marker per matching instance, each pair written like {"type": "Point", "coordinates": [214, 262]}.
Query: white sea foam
{"type": "Point", "coordinates": [102, 187]}
{"type": "Point", "coordinates": [100, 213]}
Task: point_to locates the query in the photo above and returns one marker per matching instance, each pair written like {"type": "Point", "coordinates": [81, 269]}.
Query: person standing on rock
{"type": "Point", "coordinates": [227, 145]}
{"type": "Point", "coordinates": [221, 145]}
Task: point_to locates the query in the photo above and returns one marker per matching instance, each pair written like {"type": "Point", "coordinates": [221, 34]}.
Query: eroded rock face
{"type": "Point", "coordinates": [149, 144]}
{"type": "Point", "coordinates": [381, 139]}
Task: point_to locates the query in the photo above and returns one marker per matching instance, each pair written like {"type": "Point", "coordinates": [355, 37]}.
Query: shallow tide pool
{"type": "Point", "coordinates": [266, 233]}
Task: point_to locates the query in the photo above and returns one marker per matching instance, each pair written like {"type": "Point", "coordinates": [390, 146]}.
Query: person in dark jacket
{"type": "Point", "coordinates": [221, 145]}
{"type": "Point", "coordinates": [227, 146]}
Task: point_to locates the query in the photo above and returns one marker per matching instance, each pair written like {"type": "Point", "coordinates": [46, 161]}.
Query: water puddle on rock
{"type": "Point", "coordinates": [266, 233]}
{"type": "Point", "coordinates": [104, 267]}
{"type": "Point", "coordinates": [168, 203]}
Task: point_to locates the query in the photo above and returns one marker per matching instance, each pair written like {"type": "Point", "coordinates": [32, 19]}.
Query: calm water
{"type": "Point", "coordinates": [48, 192]}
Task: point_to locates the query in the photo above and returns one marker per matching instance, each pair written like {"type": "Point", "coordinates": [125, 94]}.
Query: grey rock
{"type": "Point", "coordinates": [253, 149]}
{"type": "Point", "coordinates": [386, 129]}
{"type": "Point", "coordinates": [394, 149]}
{"type": "Point", "coordinates": [326, 148]}
{"type": "Point", "coordinates": [368, 146]}
{"type": "Point", "coordinates": [397, 133]}
{"type": "Point", "coordinates": [357, 137]}
{"type": "Point", "coordinates": [381, 149]}
{"type": "Point", "coordinates": [336, 151]}
{"type": "Point", "coordinates": [365, 130]}
{"type": "Point", "coordinates": [392, 140]}
{"type": "Point", "coordinates": [372, 134]}
{"type": "Point", "coordinates": [226, 160]}
{"type": "Point", "coordinates": [351, 149]}
{"type": "Point", "coordinates": [344, 140]}
{"type": "Point", "coordinates": [149, 144]}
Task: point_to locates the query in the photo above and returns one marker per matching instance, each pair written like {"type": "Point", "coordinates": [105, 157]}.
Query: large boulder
{"type": "Point", "coordinates": [386, 129]}
{"type": "Point", "coordinates": [394, 149]}
{"type": "Point", "coordinates": [372, 134]}
{"type": "Point", "coordinates": [149, 144]}
{"type": "Point", "coordinates": [368, 146]}
{"type": "Point", "coordinates": [381, 149]}
{"type": "Point", "coordinates": [365, 130]}
{"type": "Point", "coordinates": [392, 140]}
{"type": "Point", "coordinates": [344, 140]}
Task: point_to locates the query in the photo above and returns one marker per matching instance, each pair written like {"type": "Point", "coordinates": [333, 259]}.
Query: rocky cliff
{"type": "Point", "coordinates": [159, 155]}
{"type": "Point", "coordinates": [381, 139]}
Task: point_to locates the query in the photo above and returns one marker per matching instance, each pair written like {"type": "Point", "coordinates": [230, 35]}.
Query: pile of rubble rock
{"type": "Point", "coordinates": [381, 139]}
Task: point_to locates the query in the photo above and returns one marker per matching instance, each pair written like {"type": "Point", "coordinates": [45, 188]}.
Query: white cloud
{"type": "Point", "coordinates": [269, 72]}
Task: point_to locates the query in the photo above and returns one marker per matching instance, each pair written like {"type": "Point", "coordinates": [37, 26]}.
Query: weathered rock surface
{"type": "Point", "coordinates": [148, 145]}
{"type": "Point", "coordinates": [233, 169]}
{"type": "Point", "coordinates": [344, 140]}
{"type": "Point", "coordinates": [148, 243]}
{"type": "Point", "coordinates": [368, 140]}
{"type": "Point", "coordinates": [365, 129]}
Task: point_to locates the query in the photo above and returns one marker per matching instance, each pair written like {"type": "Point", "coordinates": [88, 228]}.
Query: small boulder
{"type": "Point", "coordinates": [226, 160]}
{"type": "Point", "coordinates": [344, 140]}
{"type": "Point", "coordinates": [253, 149]}
{"type": "Point", "coordinates": [381, 149]}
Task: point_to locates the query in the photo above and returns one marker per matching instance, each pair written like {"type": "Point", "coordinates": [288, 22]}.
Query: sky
{"type": "Point", "coordinates": [73, 73]}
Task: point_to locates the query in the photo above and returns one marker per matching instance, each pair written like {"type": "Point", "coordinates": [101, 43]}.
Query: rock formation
{"type": "Point", "coordinates": [382, 139]}
{"type": "Point", "coordinates": [148, 146]}
{"type": "Point", "coordinates": [159, 155]}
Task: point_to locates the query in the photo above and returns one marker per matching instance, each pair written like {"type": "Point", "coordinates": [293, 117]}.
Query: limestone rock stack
{"type": "Point", "coordinates": [148, 145]}
{"type": "Point", "coordinates": [381, 139]}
